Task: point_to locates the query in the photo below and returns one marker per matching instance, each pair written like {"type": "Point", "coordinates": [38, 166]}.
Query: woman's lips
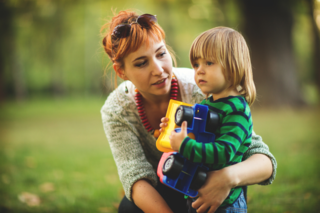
{"type": "Point", "coordinates": [160, 81]}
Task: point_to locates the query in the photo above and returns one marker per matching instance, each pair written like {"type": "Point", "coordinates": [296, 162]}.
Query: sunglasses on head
{"type": "Point", "coordinates": [123, 30]}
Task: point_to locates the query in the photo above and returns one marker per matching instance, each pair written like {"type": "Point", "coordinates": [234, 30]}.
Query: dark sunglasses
{"type": "Point", "coordinates": [123, 30]}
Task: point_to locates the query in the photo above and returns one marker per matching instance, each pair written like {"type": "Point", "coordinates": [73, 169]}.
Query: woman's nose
{"type": "Point", "coordinates": [157, 68]}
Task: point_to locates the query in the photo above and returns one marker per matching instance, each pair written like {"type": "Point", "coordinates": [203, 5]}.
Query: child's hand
{"type": "Point", "coordinates": [177, 138]}
{"type": "Point", "coordinates": [164, 123]}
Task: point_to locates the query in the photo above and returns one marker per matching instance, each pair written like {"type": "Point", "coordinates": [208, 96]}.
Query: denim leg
{"type": "Point", "coordinates": [239, 206]}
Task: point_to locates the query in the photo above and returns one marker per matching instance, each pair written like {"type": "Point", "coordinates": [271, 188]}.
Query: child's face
{"type": "Point", "coordinates": [209, 77]}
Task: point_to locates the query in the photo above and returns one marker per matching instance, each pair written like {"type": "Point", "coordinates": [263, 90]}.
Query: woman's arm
{"type": "Point", "coordinates": [259, 167]}
{"type": "Point", "coordinates": [128, 154]}
{"type": "Point", "coordinates": [255, 169]}
{"type": "Point", "coordinates": [148, 199]}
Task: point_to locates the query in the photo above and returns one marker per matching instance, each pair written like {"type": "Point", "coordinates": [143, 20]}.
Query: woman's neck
{"type": "Point", "coordinates": [155, 100]}
{"type": "Point", "coordinates": [155, 107]}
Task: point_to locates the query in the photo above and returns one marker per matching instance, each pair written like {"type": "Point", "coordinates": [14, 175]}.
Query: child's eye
{"type": "Point", "coordinates": [209, 63]}
{"type": "Point", "coordinates": [195, 65]}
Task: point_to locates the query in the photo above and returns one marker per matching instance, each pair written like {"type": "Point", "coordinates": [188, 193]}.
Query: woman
{"type": "Point", "coordinates": [131, 118]}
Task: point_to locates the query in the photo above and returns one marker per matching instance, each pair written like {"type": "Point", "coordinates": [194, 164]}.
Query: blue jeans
{"type": "Point", "coordinates": [239, 206]}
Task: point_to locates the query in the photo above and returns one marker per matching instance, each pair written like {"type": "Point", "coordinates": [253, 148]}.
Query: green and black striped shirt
{"type": "Point", "coordinates": [233, 138]}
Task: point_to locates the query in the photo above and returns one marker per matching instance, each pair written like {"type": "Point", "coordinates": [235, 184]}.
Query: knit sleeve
{"type": "Point", "coordinates": [259, 147]}
{"type": "Point", "coordinates": [125, 146]}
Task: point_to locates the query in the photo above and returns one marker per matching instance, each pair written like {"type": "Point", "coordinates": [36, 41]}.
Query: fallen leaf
{"type": "Point", "coordinates": [307, 195]}
{"type": "Point", "coordinates": [5, 179]}
{"type": "Point", "coordinates": [105, 210]}
{"type": "Point", "coordinates": [29, 199]}
{"type": "Point", "coordinates": [47, 187]}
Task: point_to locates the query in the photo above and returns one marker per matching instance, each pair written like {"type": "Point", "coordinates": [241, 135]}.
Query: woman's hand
{"type": "Point", "coordinates": [176, 138]}
{"type": "Point", "coordinates": [215, 190]}
{"type": "Point", "coordinates": [164, 123]}
{"type": "Point", "coordinates": [253, 170]}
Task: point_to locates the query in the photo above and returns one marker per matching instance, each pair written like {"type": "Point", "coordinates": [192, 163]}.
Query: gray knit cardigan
{"type": "Point", "coordinates": [133, 147]}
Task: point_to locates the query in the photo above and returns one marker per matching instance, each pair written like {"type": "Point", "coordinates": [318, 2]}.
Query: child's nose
{"type": "Point", "coordinates": [200, 70]}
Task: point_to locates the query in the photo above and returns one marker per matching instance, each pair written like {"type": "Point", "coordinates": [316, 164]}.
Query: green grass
{"type": "Point", "coordinates": [57, 150]}
{"type": "Point", "coordinates": [61, 143]}
{"type": "Point", "coordinates": [293, 137]}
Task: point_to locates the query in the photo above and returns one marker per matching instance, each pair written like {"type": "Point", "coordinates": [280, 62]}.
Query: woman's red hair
{"type": "Point", "coordinates": [117, 49]}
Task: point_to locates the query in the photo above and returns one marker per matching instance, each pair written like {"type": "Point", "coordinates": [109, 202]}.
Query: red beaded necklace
{"type": "Point", "coordinates": [142, 114]}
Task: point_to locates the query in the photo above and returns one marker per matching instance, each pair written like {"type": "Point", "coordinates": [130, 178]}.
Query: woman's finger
{"type": "Point", "coordinates": [202, 209]}
{"type": "Point", "coordinates": [212, 209]}
{"type": "Point", "coordinates": [197, 203]}
{"type": "Point", "coordinates": [163, 125]}
{"type": "Point", "coordinates": [164, 119]}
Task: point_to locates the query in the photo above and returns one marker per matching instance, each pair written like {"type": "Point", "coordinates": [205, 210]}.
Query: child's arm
{"type": "Point", "coordinates": [234, 132]}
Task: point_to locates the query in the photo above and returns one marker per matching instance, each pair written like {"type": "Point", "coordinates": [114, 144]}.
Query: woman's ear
{"type": "Point", "coordinates": [120, 72]}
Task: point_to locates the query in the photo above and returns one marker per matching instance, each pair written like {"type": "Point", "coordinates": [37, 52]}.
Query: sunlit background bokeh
{"type": "Point", "coordinates": [53, 48]}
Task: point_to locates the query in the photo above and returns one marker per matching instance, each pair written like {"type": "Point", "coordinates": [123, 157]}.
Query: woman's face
{"type": "Point", "coordinates": [150, 69]}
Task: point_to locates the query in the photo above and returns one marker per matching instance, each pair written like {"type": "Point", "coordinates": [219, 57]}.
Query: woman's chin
{"type": "Point", "coordinates": [161, 92]}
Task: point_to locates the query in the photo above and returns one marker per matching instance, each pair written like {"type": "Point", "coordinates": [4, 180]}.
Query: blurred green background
{"type": "Point", "coordinates": [54, 78]}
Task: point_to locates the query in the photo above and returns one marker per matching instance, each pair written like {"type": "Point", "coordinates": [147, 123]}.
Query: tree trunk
{"type": "Point", "coordinates": [8, 56]}
{"type": "Point", "coordinates": [5, 36]}
{"type": "Point", "coordinates": [268, 31]}
{"type": "Point", "coordinates": [19, 82]}
{"type": "Point", "coordinates": [316, 46]}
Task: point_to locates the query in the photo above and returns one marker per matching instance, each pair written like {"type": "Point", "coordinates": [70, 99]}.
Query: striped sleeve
{"type": "Point", "coordinates": [230, 144]}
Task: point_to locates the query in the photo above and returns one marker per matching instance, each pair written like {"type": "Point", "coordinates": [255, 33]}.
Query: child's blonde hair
{"type": "Point", "coordinates": [227, 47]}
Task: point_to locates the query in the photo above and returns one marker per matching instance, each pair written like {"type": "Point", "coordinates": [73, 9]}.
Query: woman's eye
{"type": "Point", "coordinates": [141, 64]}
{"type": "Point", "coordinates": [162, 53]}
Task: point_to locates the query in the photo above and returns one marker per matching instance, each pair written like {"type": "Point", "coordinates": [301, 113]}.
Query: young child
{"type": "Point", "coordinates": [221, 61]}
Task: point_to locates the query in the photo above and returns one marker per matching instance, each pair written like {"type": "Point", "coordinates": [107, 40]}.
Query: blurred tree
{"type": "Point", "coordinates": [268, 29]}
{"type": "Point", "coordinates": [9, 60]}
{"type": "Point", "coordinates": [6, 31]}
{"type": "Point", "coordinates": [53, 48]}
{"type": "Point", "coordinates": [316, 46]}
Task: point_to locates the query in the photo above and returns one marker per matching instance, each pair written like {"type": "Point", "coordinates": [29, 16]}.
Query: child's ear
{"type": "Point", "coordinates": [120, 72]}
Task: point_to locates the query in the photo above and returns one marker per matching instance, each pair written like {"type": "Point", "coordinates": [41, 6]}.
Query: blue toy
{"type": "Point", "coordinates": [174, 170]}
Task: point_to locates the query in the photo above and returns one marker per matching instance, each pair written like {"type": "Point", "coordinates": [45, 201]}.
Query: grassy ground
{"type": "Point", "coordinates": [55, 158]}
